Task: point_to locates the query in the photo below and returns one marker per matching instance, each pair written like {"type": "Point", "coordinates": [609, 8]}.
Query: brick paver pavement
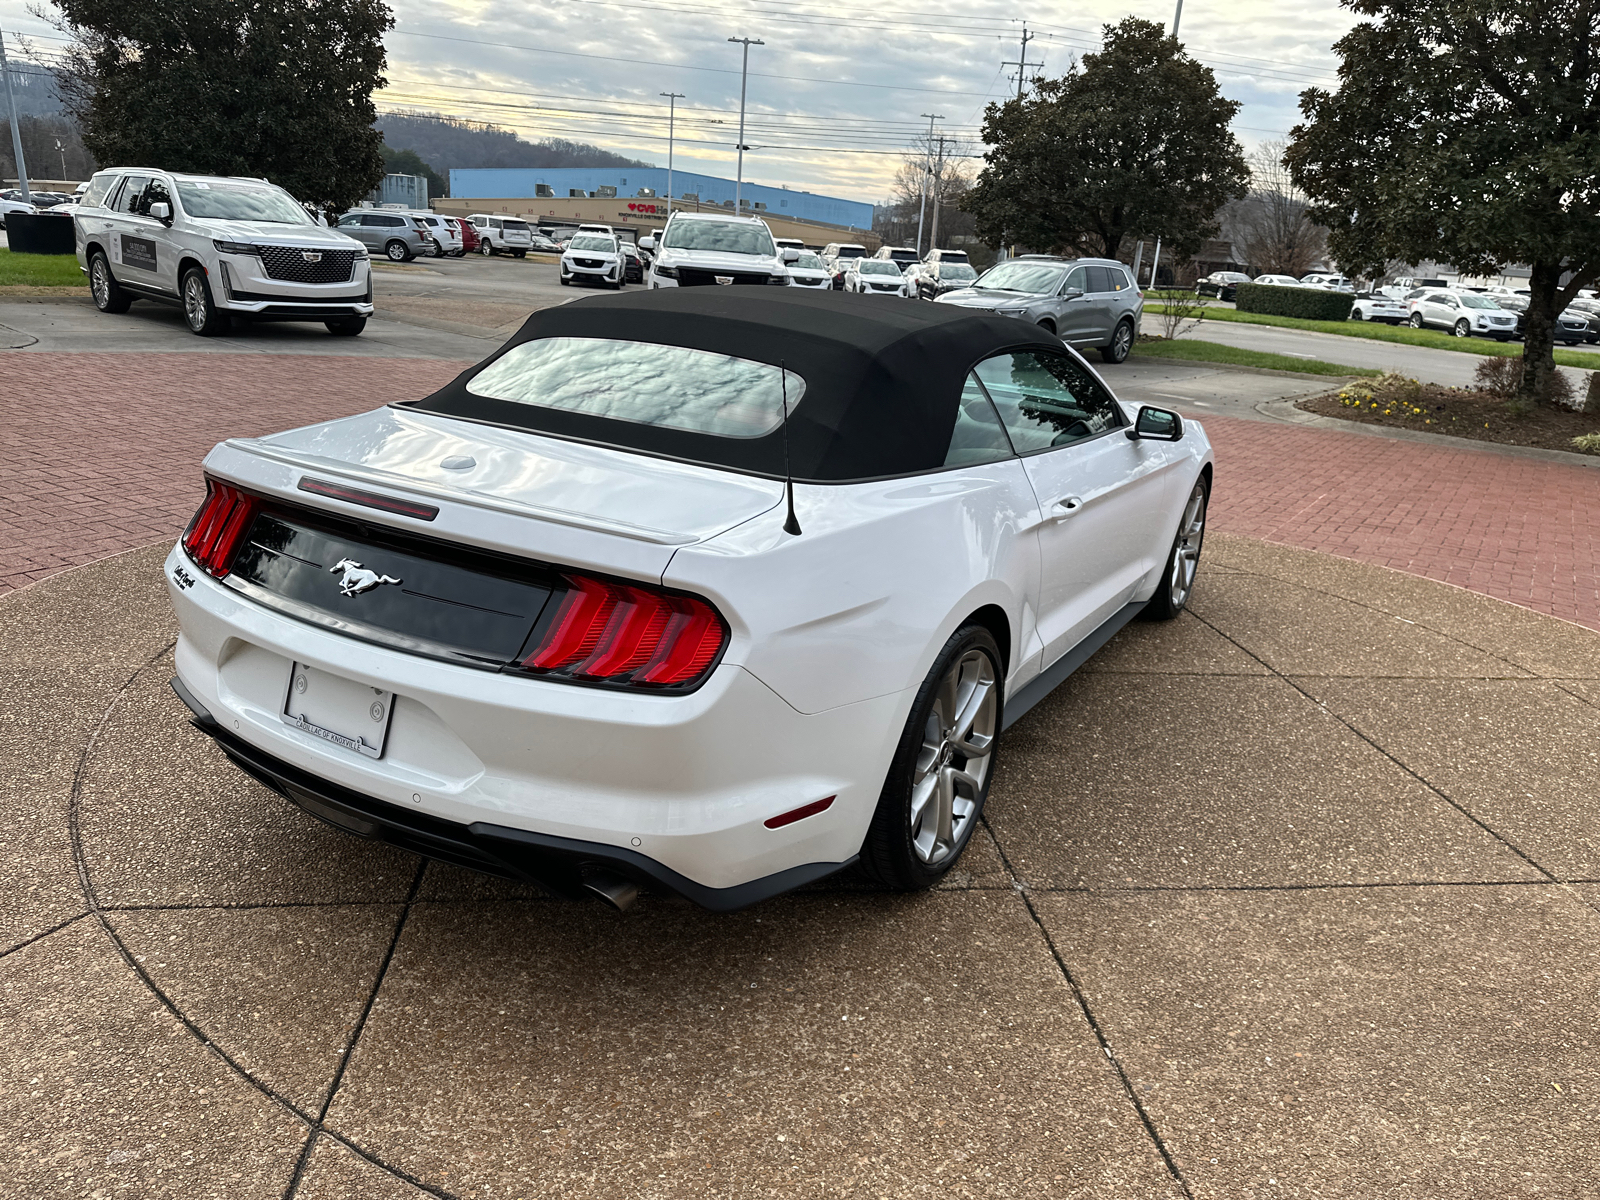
{"type": "Point", "coordinates": [102, 452]}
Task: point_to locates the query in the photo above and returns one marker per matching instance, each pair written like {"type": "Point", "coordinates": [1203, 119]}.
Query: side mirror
{"type": "Point", "coordinates": [160, 211]}
{"type": "Point", "coordinates": [1156, 424]}
{"type": "Point", "coordinates": [1070, 293]}
{"type": "Point", "coordinates": [647, 243]}
{"type": "Point", "coordinates": [791, 255]}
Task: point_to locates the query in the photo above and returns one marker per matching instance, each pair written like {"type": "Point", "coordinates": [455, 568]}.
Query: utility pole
{"type": "Point", "coordinates": [922, 209]}
{"type": "Point", "coordinates": [1155, 260]}
{"type": "Point", "coordinates": [744, 75]}
{"type": "Point", "coordinates": [1022, 63]}
{"type": "Point", "coordinates": [672, 112]}
{"type": "Point", "coordinates": [938, 175]}
{"type": "Point", "coordinates": [16, 127]}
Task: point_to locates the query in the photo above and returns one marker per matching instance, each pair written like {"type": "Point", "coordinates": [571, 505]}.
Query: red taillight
{"type": "Point", "coordinates": [219, 526]}
{"type": "Point", "coordinates": [624, 633]}
{"type": "Point", "coordinates": [801, 813]}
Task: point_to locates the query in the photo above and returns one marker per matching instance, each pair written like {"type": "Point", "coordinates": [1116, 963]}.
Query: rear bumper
{"type": "Point", "coordinates": [677, 789]}
{"type": "Point", "coordinates": [555, 864]}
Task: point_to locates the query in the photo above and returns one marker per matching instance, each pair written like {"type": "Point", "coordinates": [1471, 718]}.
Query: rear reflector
{"type": "Point", "coordinates": [350, 495]}
{"type": "Point", "coordinates": [800, 814]}
{"type": "Point", "coordinates": [220, 525]}
{"type": "Point", "coordinates": [628, 634]}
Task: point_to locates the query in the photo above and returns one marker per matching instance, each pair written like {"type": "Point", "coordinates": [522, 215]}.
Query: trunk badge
{"type": "Point", "coordinates": [725, 280]}
{"type": "Point", "coordinates": [356, 578]}
{"type": "Point", "coordinates": [311, 255]}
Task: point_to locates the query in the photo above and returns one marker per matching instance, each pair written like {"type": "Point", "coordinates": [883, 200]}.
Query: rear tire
{"type": "Point", "coordinates": [1121, 343]}
{"type": "Point", "coordinates": [939, 777]}
{"type": "Point", "coordinates": [1416, 320]}
{"type": "Point", "coordinates": [397, 251]}
{"type": "Point", "coordinates": [486, 248]}
{"type": "Point", "coordinates": [203, 316]}
{"type": "Point", "coordinates": [108, 294]}
{"type": "Point", "coordinates": [1183, 560]}
{"type": "Point", "coordinates": [346, 326]}
{"type": "Point", "coordinates": [1355, 315]}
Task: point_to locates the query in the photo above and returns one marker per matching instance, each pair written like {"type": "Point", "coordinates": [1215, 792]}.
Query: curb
{"type": "Point", "coordinates": [1218, 366]}
{"type": "Point", "coordinates": [1286, 412]}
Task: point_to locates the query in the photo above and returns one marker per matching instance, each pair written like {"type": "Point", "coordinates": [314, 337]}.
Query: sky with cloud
{"type": "Point", "coordinates": [836, 93]}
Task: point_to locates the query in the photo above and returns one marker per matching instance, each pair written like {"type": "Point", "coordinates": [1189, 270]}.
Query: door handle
{"type": "Point", "coordinates": [1067, 506]}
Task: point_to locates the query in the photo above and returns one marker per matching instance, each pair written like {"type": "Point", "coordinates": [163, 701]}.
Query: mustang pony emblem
{"type": "Point", "coordinates": [356, 578]}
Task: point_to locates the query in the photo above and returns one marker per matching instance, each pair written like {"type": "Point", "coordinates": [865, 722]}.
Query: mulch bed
{"type": "Point", "coordinates": [1460, 412]}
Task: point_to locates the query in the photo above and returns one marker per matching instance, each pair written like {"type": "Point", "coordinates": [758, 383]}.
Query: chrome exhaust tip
{"type": "Point", "coordinates": [616, 891]}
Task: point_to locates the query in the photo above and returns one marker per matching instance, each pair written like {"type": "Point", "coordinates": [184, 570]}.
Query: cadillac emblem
{"type": "Point", "coordinates": [724, 280]}
{"type": "Point", "coordinates": [311, 255]}
{"type": "Point", "coordinates": [356, 578]}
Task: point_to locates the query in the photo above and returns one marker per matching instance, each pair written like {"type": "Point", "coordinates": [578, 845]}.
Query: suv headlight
{"type": "Point", "coordinates": [778, 280]}
{"type": "Point", "coordinates": [235, 247]}
{"type": "Point", "coordinates": [666, 272]}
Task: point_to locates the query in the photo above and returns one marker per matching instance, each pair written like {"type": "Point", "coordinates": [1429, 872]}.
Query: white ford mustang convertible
{"type": "Point", "coordinates": [714, 591]}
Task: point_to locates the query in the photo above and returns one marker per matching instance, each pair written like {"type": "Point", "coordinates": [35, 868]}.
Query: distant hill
{"type": "Point", "coordinates": [445, 142]}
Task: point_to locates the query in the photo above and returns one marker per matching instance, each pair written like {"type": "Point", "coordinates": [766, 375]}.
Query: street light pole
{"type": "Point", "coordinates": [922, 209]}
{"type": "Point", "coordinates": [16, 127]}
{"type": "Point", "coordinates": [744, 75]}
{"type": "Point", "coordinates": [1155, 260]}
{"type": "Point", "coordinates": [672, 112]}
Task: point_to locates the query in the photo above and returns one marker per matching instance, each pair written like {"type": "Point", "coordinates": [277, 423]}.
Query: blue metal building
{"type": "Point", "coordinates": [524, 182]}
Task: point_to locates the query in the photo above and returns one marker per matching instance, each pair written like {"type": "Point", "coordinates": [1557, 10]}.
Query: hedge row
{"type": "Point", "coordinates": [1313, 304]}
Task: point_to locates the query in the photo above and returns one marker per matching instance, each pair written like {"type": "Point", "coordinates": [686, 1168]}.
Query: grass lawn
{"type": "Point", "coordinates": [1432, 339]}
{"type": "Point", "coordinates": [40, 270]}
{"type": "Point", "coordinates": [1192, 350]}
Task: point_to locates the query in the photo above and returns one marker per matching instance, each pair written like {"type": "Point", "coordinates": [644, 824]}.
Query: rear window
{"type": "Point", "coordinates": [515, 225]}
{"type": "Point", "coordinates": [644, 383]}
{"type": "Point", "coordinates": [96, 194]}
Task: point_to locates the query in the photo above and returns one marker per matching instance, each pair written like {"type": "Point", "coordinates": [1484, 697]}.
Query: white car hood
{"type": "Point", "coordinates": [568, 483]}
{"type": "Point", "coordinates": [716, 260]}
{"type": "Point", "coordinates": [272, 232]}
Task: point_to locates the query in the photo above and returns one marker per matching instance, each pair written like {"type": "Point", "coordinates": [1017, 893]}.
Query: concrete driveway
{"type": "Point", "coordinates": [1293, 897]}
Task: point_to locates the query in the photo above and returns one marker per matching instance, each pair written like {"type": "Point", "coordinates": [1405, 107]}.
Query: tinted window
{"type": "Point", "coordinates": [132, 188]}
{"type": "Point", "coordinates": [978, 436]}
{"type": "Point", "coordinates": [1078, 281]}
{"type": "Point", "coordinates": [349, 219]}
{"type": "Point", "coordinates": [513, 224]}
{"type": "Point", "coordinates": [593, 241]}
{"type": "Point", "coordinates": [155, 192]}
{"type": "Point", "coordinates": [670, 386]}
{"type": "Point", "coordinates": [1047, 400]}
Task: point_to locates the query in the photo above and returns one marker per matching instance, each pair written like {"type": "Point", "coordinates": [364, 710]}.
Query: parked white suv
{"type": "Point", "coordinates": [220, 248]}
{"type": "Point", "coordinates": [708, 248]}
{"type": "Point", "coordinates": [593, 258]}
{"type": "Point", "coordinates": [508, 235]}
{"type": "Point", "coordinates": [1464, 314]}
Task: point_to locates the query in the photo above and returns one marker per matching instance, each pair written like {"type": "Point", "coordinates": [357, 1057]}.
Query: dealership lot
{"type": "Point", "coordinates": [1273, 901]}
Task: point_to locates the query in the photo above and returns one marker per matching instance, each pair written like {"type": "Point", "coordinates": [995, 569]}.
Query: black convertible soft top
{"type": "Point", "coordinates": [883, 375]}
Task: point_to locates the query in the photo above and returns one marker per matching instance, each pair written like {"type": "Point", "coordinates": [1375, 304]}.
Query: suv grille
{"type": "Point", "coordinates": [289, 263]}
{"type": "Point", "coordinates": [695, 277]}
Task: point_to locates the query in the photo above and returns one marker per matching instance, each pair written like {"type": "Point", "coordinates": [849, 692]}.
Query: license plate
{"type": "Point", "coordinates": [338, 710]}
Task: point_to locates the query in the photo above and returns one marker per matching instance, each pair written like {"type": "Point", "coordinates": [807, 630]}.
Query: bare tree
{"type": "Point", "coordinates": [940, 169]}
{"type": "Point", "coordinates": [1270, 224]}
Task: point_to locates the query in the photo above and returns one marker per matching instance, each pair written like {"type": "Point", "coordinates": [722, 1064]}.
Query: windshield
{"type": "Point", "coordinates": [240, 202]}
{"type": "Point", "coordinates": [810, 261]}
{"type": "Point", "coordinates": [1035, 278]}
{"type": "Point", "coordinates": [719, 235]}
{"type": "Point", "coordinates": [879, 266]}
{"type": "Point", "coordinates": [956, 270]}
{"type": "Point", "coordinates": [648, 384]}
{"type": "Point", "coordinates": [851, 252]}
{"type": "Point", "coordinates": [1475, 301]}
{"type": "Point", "coordinates": [590, 241]}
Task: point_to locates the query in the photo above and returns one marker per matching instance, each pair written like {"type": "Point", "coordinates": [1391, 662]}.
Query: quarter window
{"type": "Point", "coordinates": [98, 187]}
{"type": "Point", "coordinates": [1047, 400]}
{"type": "Point", "coordinates": [978, 436]}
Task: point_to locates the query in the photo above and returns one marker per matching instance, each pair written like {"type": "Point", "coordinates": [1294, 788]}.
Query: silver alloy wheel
{"type": "Point", "coordinates": [396, 250]}
{"type": "Point", "coordinates": [194, 301]}
{"type": "Point", "coordinates": [100, 281]}
{"type": "Point", "coordinates": [1463, 329]}
{"type": "Point", "coordinates": [1122, 341]}
{"type": "Point", "coordinates": [1186, 557]}
{"type": "Point", "coordinates": [957, 748]}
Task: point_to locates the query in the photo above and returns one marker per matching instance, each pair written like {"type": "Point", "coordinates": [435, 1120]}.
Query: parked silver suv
{"type": "Point", "coordinates": [398, 236]}
{"type": "Point", "coordinates": [1086, 301]}
{"type": "Point", "coordinates": [218, 247]}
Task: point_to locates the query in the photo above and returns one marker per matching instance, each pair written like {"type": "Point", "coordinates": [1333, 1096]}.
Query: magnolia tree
{"type": "Point", "coordinates": [1131, 141]}
{"type": "Point", "coordinates": [1463, 131]}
